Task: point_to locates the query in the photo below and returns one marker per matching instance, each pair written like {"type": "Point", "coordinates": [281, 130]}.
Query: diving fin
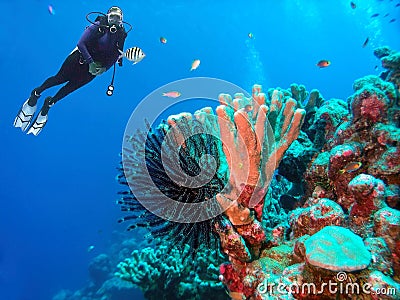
{"type": "Point", "coordinates": [38, 125]}
{"type": "Point", "coordinates": [41, 118]}
{"type": "Point", "coordinates": [24, 116]}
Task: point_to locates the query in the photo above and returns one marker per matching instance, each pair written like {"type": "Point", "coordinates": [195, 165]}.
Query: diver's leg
{"type": "Point", "coordinates": [62, 76]}
{"type": "Point", "coordinates": [41, 118]}
{"type": "Point", "coordinates": [28, 109]}
{"type": "Point", "coordinates": [70, 87]}
{"type": "Point", "coordinates": [76, 74]}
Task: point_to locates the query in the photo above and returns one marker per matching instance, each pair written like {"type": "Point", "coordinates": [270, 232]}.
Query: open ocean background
{"type": "Point", "coordinates": [58, 189]}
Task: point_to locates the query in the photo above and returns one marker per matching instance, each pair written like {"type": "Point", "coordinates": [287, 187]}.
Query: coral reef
{"type": "Point", "coordinates": [353, 183]}
{"type": "Point", "coordinates": [131, 268]}
{"type": "Point", "coordinates": [166, 273]}
{"type": "Point", "coordinates": [102, 284]}
{"type": "Point", "coordinates": [390, 60]}
{"type": "Point", "coordinates": [367, 141]}
{"type": "Point", "coordinates": [308, 189]}
{"type": "Point", "coordinates": [311, 219]}
{"type": "Point", "coordinates": [99, 269]}
{"type": "Point", "coordinates": [255, 135]}
{"type": "Point", "coordinates": [244, 130]}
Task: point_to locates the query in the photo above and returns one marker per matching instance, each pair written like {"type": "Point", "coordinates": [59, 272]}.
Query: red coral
{"type": "Point", "coordinates": [369, 106]}
{"type": "Point", "coordinates": [233, 279]}
{"type": "Point", "coordinates": [252, 233]}
{"type": "Point", "coordinates": [363, 210]}
{"type": "Point", "coordinates": [252, 194]}
{"type": "Point", "coordinates": [373, 108]}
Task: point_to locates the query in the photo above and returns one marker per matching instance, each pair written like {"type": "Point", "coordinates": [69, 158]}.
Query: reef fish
{"type": "Point", "coordinates": [236, 296]}
{"type": "Point", "coordinates": [163, 40]}
{"type": "Point", "coordinates": [366, 42]}
{"type": "Point", "coordinates": [172, 94]}
{"type": "Point", "coordinates": [351, 167]}
{"type": "Point", "coordinates": [134, 54]}
{"type": "Point", "coordinates": [353, 5]}
{"type": "Point", "coordinates": [195, 64]}
{"type": "Point", "coordinates": [323, 63]}
{"type": "Point", "coordinates": [392, 20]}
{"type": "Point", "coordinates": [374, 15]}
{"type": "Point", "coordinates": [51, 10]}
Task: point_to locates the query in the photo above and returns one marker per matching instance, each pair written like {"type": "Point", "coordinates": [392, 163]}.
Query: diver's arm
{"type": "Point", "coordinates": [87, 35]}
{"type": "Point", "coordinates": [121, 44]}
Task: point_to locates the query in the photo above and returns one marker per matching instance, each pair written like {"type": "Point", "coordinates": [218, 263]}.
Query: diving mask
{"type": "Point", "coordinates": [114, 15]}
{"type": "Point", "coordinates": [114, 18]}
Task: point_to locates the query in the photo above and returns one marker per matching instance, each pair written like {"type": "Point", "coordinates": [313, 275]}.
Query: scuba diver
{"type": "Point", "coordinates": [98, 49]}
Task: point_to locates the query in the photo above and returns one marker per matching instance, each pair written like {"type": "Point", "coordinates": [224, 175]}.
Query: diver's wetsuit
{"type": "Point", "coordinates": [97, 44]}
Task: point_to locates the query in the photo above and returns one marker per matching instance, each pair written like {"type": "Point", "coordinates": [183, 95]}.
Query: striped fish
{"type": "Point", "coordinates": [134, 54]}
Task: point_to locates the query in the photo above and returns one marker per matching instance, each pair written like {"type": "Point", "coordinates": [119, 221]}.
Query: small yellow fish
{"type": "Point", "coordinates": [195, 64]}
{"type": "Point", "coordinates": [172, 94]}
{"type": "Point", "coordinates": [351, 167]}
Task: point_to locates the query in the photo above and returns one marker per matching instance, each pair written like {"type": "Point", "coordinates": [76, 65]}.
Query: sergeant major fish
{"type": "Point", "coordinates": [134, 54]}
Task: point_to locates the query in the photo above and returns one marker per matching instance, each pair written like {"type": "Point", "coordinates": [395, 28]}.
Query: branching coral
{"type": "Point", "coordinates": [167, 273]}
{"type": "Point", "coordinates": [253, 151]}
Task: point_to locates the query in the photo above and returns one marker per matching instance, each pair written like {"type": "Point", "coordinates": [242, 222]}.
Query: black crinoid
{"type": "Point", "coordinates": [172, 188]}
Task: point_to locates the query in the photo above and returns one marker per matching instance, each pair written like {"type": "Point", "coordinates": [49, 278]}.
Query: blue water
{"type": "Point", "coordinates": [58, 189]}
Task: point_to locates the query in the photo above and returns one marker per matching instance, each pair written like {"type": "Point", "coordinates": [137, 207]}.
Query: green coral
{"type": "Point", "coordinates": [334, 109]}
{"type": "Point", "coordinates": [374, 85]}
{"type": "Point", "coordinates": [314, 100]}
{"type": "Point", "coordinates": [167, 273]}
{"type": "Point", "coordinates": [307, 100]}
{"type": "Point", "coordinates": [383, 51]}
{"type": "Point", "coordinates": [299, 92]}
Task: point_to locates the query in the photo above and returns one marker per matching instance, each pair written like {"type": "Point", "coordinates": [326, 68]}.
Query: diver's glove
{"type": "Point", "coordinates": [95, 68]}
